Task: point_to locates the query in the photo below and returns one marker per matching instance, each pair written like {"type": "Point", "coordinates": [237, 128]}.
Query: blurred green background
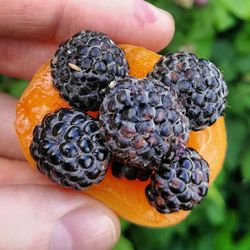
{"type": "Point", "coordinates": [220, 31]}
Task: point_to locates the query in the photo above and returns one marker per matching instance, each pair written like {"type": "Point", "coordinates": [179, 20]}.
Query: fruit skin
{"type": "Point", "coordinates": [198, 83]}
{"type": "Point", "coordinates": [84, 65]}
{"type": "Point", "coordinates": [143, 122]}
{"type": "Point", "coordinates": [179, 185]}
{"type": "Point", "coordinates": [120, 170]}
{"type": "Point", "coordinates": [118, 194]}
{"type": "Point", "coordinates": [68, 148]}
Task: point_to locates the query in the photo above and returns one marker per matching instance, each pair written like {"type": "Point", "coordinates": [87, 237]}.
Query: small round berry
{"type": "Point", "coordinates": [198, 83]}
{"type": "Point", "coordinates": [120, 170]}
{"type": "Point", "coordinates": [180, 185]}
{"type": "Point", "coordinates": [68, 148]}
{"type": "Point", "coordinates": [84, 65]}
{"type": "Point", "coordinates": [142, 121]}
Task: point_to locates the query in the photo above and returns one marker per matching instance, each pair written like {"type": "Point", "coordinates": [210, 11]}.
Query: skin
{"type": "Point", "coordinates": [34, 213]}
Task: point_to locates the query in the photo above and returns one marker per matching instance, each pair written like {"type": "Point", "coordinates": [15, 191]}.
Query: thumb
{"type": "Point", "coordinates": [41, 217]}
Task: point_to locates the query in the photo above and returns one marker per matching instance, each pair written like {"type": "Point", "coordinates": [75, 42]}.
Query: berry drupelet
{"type": "Point", "coordinates": [119, 170]}
{"type": "Point", "coordinates": [180, 185]}
{"type": "Point", "coordinates": [84, 65]}
{"type": "Point", "coordinates": [69, 148]}
{"type": "Point", "coordinates": [198, 83]}
{"type": "Point", "coordinates": [142, 122]}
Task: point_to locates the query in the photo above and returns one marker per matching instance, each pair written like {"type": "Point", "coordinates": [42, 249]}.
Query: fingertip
{"type": "Point", "coordinates": [162, 30]}
{"type": "Point", "coordinates": [89, 227]}
{"type": "Point", "coordinates": [46, 217]}
{"type": "Point", "coordinates": [9, 146]}
{"type": "Point", "coordinates": [168, 30]}
{"type": "Point", "coordinates": [135, 22]}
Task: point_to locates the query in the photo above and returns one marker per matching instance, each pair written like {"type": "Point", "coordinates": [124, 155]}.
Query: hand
{"type": "Point", "coordinates": [34, 212]}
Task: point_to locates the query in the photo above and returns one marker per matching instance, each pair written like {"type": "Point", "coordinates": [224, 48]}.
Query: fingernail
{"type": "Point", "coordinates": [163, 24]}
{"type": "Point", "coordinates": [84, 228]}
{"type": "Point", "coordinates": [159, 10]}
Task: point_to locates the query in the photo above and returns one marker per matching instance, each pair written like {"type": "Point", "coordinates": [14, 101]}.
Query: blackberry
{"type": "Point", "coordinates": [179, 185]}
{"type": "Point", "coordinates": [84, 65]}
{"type": "Point", "coordinates": [198, 83]}
{"type": "Point", "coordinates": [142, 122]}
{"type": "Point", "coordinates": [119, 170]}
{"type": "Point", "coordinates": [69, 148]}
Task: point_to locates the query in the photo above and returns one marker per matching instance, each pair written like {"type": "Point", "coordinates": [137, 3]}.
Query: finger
{"type": "Point", "coordinates": [23, 57]}
{"type": "Point", "coordinates": [130, 21]}
{"type": "Point", "coordinates": [13, 172]}
{"type": "Point", "coordinates": [9, 145]}
{"type": "Point", "coordinates": [40, 217]}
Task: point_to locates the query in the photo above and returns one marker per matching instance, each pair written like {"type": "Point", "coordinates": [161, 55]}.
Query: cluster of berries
{"type": "Point", "coordinates": [143, 124]}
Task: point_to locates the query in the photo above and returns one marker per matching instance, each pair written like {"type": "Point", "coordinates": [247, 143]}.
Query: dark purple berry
{"type": "Point", "coordinates": [84, 65]}
{"type": "Point", "coordinates": [68, 148]}
{"type": "Point", "coordinates": [143, 122]}
{"type": "Point", "coordinates": [198, 83]}
{"type": "Point", "coordinates": [180, 185]}
{"type": "Point", "coordinates": [120, 170]}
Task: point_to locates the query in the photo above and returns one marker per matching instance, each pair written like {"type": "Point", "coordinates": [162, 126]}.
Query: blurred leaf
{"type": "Point", "coordinates": [124, 224]}
{"type": "Point", "coordinates": [237, 133]}
{"type": "Point", "coordinates": [148, 239]}
{"type": "Point", "coordinates": [214, 203]}
{"type": "Point", "coordinates": [245, 165]}
{"type": "Point", "coordinates": [205, 242]}
{"type": "Point", "coordinates": [17, 88]}
{"type": "Point", "coordinates": [223, 51]}
{"type": "Point", "coordinates": [242, 39]}
{"type": "Point", "coordinates": [223, 237]}
{"type": "Point", "coordinates": [243, 63]}
{"type": "Point", "coordinates": [240, 8]}
{"type": "Point", "coordinates": [12, 86]}
{"type": "Point", "coordinates": [238, 99]}
{"type": "Point", "coordinates": [123, 244]}
{"type": "Point", "coordinates": [222, 55]}
{"type": "Point", "coordinates": [244, 243]}
{"type": "Point", "coordinates": [222, 18]}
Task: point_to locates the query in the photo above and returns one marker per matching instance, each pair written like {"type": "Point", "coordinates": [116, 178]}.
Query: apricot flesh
{"type": "Point", "coordinates": [125, 197]}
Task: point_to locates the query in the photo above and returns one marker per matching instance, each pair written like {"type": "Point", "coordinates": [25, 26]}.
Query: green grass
{"type": "Point", "coordinates": [220, 32]}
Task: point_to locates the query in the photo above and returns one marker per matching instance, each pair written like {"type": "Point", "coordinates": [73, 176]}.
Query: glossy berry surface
{"type": "Point", "coordinates": [119, 170]}
{"type": "Point", "coordinates": [180, 185]}
{"type": "Point", "coordinates": [68, 147]}
{"type": "Point", "coordinates": [84, 65]}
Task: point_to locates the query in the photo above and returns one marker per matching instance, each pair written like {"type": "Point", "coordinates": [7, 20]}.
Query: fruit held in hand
{"type": "Point", "coordinates": [124, 196]}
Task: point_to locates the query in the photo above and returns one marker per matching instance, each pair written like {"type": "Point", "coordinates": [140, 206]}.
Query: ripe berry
{"type": "Point", "coordinates": [69, 148]}
{"type": "Point", "coordinates": [143, 122]}
{"type": "Point", "coordinates": [120, 170]}
{"type": "Point", "coordinates": [198, 83]}
{"type": "Point", "coordinates": [179, 185]}
{"type": "Point", "coordinates": [84, 65]}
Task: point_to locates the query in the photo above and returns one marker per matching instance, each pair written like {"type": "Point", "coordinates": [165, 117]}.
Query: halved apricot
{"type": "Point", "coordinates": [125, 197]}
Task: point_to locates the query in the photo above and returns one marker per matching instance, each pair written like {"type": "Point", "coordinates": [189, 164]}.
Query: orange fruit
{"type": "Point", "coordinates": [125, 197]}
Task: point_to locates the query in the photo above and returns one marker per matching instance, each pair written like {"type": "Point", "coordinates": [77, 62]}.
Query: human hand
{"type": "Point", "coordinates": [35, 213]}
